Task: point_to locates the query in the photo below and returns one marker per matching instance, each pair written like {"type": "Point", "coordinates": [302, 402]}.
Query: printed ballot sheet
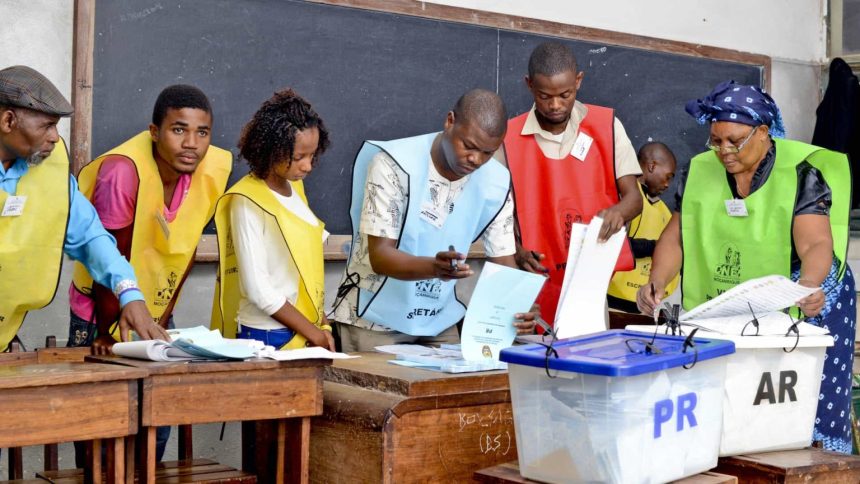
{"type": "Point", "coordinates": [590, 265]}
{"type": "Point", "coordinates": [501, 293]}
{"type": "Point", "coordinates": [762, 295]}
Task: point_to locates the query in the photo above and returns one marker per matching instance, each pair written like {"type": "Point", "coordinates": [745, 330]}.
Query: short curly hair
{"type": "Point", "coordinates": [270, 136]}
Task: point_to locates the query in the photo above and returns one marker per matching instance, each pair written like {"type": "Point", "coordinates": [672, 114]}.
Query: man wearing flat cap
{"type": "Point", "coordinates": [43, 215]}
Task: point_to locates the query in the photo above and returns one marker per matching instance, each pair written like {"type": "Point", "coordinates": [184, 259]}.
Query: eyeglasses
{"type": "Point", "coordinates": [730, 149]}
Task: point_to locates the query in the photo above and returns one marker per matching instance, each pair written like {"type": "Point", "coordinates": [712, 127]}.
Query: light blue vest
{"type": "Point", "coordinates": [426, 307]}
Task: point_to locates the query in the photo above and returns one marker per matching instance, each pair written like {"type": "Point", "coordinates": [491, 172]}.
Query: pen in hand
{"type": "Point", "coordinates": [656, 305]}
{"type": "Point", "coordinates": [453, 261]}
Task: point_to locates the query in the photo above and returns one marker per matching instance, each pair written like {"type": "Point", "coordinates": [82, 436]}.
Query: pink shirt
{"type": "Point", "coordinates": [115, 198]}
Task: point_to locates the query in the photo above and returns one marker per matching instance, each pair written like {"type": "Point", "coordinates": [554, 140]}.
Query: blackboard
{"type": "Point", "coordinates": [370, 74]}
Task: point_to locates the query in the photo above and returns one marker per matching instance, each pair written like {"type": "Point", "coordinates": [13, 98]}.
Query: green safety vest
{"type": "Point", "coordinates": [722, 251]}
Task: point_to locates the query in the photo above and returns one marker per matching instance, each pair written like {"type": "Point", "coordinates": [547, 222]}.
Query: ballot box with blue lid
{"type": "Point", "coordinates": [618, 406]}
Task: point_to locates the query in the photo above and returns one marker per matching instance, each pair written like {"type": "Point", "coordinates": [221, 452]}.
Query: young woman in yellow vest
{"type": "Point", "coordinates": [658, 168]}
{"type": "Point", "coordinates": [270, 279]}
{"type": "Point", "coordinates": [755, 205]}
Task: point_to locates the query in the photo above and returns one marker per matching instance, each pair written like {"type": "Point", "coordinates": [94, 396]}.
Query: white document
{"type": "Point", "coordinates": [198, 343]}
{"type": "Point", "coordinates": [763, 295]}
{"type": "Point", "coordinates": [501, 293]}
{"type": "Point", "coordinates": [446, 359]}
{"type": "Point", "coordinates": [581, 306]}
{"type": "Point", "coordinates": [311, 353]}
{"type": "Point", "coordinates": [154, 350]}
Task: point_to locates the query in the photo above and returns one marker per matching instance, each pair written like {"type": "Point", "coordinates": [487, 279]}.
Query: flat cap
{"type": "Point", "coordinates": [24, 87]}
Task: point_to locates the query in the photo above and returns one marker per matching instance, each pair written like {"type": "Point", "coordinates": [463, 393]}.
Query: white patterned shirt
{"type": "Point", "coordinates": [382, 215]}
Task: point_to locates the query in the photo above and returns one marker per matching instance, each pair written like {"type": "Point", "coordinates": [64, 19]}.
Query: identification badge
{"type": "Point", "coordinates": [430, 214]}
{"type": "Point", "coordinates": [736, 208]}
{"type": "Point", "coordinates": [581, 146]}
{"type": "Point", "coordinates": [162, 222]}
{"type": "Point", "coordinates": [14, 205]}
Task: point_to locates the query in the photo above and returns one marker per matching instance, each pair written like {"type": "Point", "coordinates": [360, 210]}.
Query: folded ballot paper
{"type": "Point", "coordinates": [201, 343]}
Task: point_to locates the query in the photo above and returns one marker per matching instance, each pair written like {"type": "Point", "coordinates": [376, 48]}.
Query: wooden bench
{"type": "Point", "coordinates": [202, 471]}
{"type": "Point", "coordinates": [388, 423]}
{"type": "Point", "coordinates": [509, 473]}
{"type": "Point", "coordinates": [793, 466]}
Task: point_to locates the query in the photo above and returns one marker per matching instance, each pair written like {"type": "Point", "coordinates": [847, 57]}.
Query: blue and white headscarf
{"type": "Point", "coordinates": [738, 103]}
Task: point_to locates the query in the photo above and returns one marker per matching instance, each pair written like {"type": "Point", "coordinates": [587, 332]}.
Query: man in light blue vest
{"type": "Point", "coordinates": [417, 205]}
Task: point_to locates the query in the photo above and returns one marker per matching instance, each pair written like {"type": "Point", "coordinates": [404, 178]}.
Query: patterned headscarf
{"type": "Point", "coordinates": [738, 103]}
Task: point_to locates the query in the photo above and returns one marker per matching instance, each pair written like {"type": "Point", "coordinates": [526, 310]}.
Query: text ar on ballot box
{"type": "Point", "coordinates": [617, 407]}
{"type": "Point", "coordinates": [772, 387]}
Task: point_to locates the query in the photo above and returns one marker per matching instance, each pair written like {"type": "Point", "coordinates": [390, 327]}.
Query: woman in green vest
{"type": "Point", "coordinates": [756, 205]}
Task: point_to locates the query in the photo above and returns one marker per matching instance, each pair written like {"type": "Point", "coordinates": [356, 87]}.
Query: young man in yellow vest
{"type": "Point", "coordinates": [155, 193]}
{"type": "Point", "coordinates": [44, 215]}
{"type": "Point", "coordinates": [658, 168]}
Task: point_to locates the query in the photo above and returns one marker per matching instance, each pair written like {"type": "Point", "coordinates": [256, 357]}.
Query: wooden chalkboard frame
{"type": "Point", "coordinates": [207, 251]}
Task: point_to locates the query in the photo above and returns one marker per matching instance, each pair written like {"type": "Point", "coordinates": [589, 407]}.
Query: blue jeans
{"type": "Point", "coordinates": [271, 337]}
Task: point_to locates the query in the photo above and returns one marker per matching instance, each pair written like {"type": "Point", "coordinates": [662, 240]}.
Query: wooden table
{"type": "Point", "coordinates": [509, 473]}
{"type": "Point", "coordinates": [388, 423]}
{"type": "Point", "coordinates": [182, 393]}
{"type": "Point", "coordinates": [64, 402]}
{"type": "Point", "coordinates": [793, 466]}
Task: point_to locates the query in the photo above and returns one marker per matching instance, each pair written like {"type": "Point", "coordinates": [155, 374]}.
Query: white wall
{"type": "Point", "coordinates": [38, 33]}
{"type": "Point", "coordinates": [791, 32]}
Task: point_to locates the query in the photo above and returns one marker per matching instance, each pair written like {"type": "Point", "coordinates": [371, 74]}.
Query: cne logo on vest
{"type": "Point", "coordinates": [728, 270]}
{"type": "Point", "coordinates": [166, 287]}
{"type": "Point", "coordinates": [430, 288]}
{"type": "Point", "coordinates": [569, 217]}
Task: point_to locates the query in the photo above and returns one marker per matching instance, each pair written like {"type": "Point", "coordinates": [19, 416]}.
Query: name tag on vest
{"type": "Point", "coordinates": [162, 222]}
{"type": "Point", "coordinates": [581, 146]}
{"type": "Point", "coordinates": [736, 208]}
{"type": "Point", "coordinates": [14, 205]}
{"type": "Point", "coordinates": [430, 214]}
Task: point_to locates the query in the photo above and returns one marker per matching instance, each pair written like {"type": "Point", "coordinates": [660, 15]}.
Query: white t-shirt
{"type": "Point", "coordinates": [382, 215]}
{"type": "Point", "coordinates": [268, 276]}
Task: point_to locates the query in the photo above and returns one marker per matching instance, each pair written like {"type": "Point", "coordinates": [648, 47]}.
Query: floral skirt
{"type": "Point", "coordinates": [833, 419]}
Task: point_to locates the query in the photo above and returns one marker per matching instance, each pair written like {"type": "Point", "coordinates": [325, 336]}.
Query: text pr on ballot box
{"type": "Point", "coordinates": [617, 407]}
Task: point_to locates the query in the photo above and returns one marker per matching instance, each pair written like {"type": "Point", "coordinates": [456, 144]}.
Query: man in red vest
{"type": "Point", "coordinates": [569, 162]}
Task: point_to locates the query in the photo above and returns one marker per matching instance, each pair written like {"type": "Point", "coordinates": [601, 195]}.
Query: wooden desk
{"type": "Point", "coordinates": [63, 402]}
{"type": "Point", "coordinates": [388, 423]}
{"type": "Point", "coordinates": [509, 473]}
{"type": "Point", "coordinates": [793, 466]}
{"type": "Point", "coordinates": [181, 393]}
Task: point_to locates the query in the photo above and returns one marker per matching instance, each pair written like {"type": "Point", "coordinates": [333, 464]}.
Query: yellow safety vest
{"type": "Point", "coordinates": [31, 244]}
{"type": "Point", "coordinates": [647, 225]}
{"type": "Point", "coordinates": [303, 240]}
{"type": "Point", "coordinates": [161, 250]}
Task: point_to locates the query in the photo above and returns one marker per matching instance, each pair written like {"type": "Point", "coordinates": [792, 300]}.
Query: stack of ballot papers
{"type": "Point", "coordinates": [201, 343]}
{"type": "Point", "coordinates": [590, 264]}
{"type": "Point", "coordinates": [447, 358]}
{"type": "Point", "coordinates": [762, 300]}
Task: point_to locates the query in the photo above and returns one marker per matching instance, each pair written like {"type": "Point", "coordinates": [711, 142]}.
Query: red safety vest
{"type": "Point", "coordinates": [551, 195]}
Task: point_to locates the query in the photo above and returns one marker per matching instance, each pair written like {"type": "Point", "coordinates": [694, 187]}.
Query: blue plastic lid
{"type": "Point", "coordinates": [617, 353]}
